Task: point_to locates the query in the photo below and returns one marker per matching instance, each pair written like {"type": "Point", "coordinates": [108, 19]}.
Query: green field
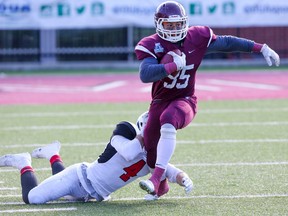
{"type": "Point", "coordinates": [236, 153]}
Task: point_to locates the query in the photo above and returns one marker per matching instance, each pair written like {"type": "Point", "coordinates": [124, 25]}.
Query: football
{"type": "Point", "coordinates": [167, 58]}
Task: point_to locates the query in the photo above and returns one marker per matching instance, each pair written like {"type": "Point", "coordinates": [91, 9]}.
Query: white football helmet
{"type": "Point", "coordinates": [142, 121]}
{"type": "Point", "coordinates": [171, 11]}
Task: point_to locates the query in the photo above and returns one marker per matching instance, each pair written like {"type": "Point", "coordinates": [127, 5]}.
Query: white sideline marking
{"type": "Point", "coordinates": [269, 163]}
{"type": "Point", "coordinates": [112, 113]}
{"type": "Point", "coordinates": [108, 86]}
{"type": "Point", "coordinates": [179, 142]}
{"type": "Point", "coordinates": [39, 210]}
{"type": "Point", "coordinates": [244, 84]}
{"type": "Point", "coordinates": [76, 127]}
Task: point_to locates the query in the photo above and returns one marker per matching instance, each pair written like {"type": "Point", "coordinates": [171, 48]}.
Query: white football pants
{"type": "Point", "coordinates": [62, 184]}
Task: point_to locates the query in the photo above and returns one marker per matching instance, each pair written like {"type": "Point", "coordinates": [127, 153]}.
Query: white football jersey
{"type": "Point", "coordinates": [124, 166]}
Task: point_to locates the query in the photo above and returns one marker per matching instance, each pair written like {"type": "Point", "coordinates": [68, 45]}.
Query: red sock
{"type": "Point", "coordinates": [26, 169]}
{"type": "Point", "coordinates": [55, 158]}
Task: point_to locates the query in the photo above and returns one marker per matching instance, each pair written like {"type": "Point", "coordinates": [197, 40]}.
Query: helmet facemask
{"type": "Point", "coordinates": [172, 35]}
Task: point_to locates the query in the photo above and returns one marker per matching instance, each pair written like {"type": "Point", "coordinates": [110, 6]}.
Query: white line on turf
{"type": "Point", "coordinates": [244, 196]}
{"type": "Point", "coordinates": [232, 141]}
{"type": "Point", "coordinates": [112, 113]}
{"type": "Point", "coordinates": [213, 197]}
{"type": "Point", "coordinates": [76, 127]}
{"type": "Point", "coordinates": [15, 170]}
{"type": "Point", "coordinates": [38, 210]}
{"type": "Point", "coordinates": [10, 195]}
{"type": "Point", "coordinates": [52, 202]}
{"type": "Point", "coordinates": [264, 163]}
{"type": "Point", "coordinates": [4, 189]}
{"type": "Point", "coordinates": [179, 142]}
{"type": "Point", "coordinates": [276, 163]}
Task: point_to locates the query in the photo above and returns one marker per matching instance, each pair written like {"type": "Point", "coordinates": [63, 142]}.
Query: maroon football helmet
{"type": "Point", "coordinates": [171, 11]}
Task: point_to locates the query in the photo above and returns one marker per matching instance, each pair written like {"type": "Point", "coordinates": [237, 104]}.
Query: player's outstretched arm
{"type": "Point", "coordinates": [228, 43]}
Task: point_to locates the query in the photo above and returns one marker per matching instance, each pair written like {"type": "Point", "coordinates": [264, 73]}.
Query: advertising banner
{"type": "Point", "coordinates": [64, 14]}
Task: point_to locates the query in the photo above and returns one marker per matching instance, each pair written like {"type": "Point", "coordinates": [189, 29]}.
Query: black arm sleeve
{"type": "Point", "coordinates": [124, 129]}
{"type": "Point", "coordinates": [151, 71]}
{"type": "Point", "coordinates": [229, 43]}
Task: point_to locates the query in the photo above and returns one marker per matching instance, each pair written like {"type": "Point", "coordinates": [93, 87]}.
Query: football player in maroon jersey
{"type": "Point", "coordinates": [174, 104]}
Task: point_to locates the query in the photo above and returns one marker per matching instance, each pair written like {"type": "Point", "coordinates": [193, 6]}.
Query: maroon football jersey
{"type": "Point", "coordinates": [194, 46]}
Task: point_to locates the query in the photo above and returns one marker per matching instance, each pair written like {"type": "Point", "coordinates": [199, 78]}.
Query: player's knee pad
{"type": "Point", "coordinates": [168, 131]}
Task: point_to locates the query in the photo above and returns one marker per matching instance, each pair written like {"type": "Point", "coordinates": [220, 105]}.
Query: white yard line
{"type": "Point", "coordinates": [244, 196]}
{"type": "Point", "coordinates": [76, 127]}
{"type": "Point", "coordinates": [38, 210]}
{"type": "Point", "coordinates": [212, 197]}
{"type": "Point", "coordinates": [10, 195]}
{"type": "Point", "coordinates": [113, 113]}
{"type": "Point", "coordinates": [231, 141]}
{"type": "Point", "coordinates": [179, 142]}
{"type": "Point", "coordinates": [65, 114]}
{"type": "Point", "coordinates": [264, 163]}
{"type": "Point", "coordinates": [4, 189]}
{"type": "Point", "coordinates": [229, 124]}
{"type": "Point", "coordinates": [3, 170]}
{"type": "Point", "coordinates": [57, 127]}
{"type": "Point", "coordinates": [274, 163]}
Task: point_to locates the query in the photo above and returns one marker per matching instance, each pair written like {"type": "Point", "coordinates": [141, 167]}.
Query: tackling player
{"type": "Point", "coordinates": [174, 103]}
{"type": "Point", "coordinates": [123, 161]}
